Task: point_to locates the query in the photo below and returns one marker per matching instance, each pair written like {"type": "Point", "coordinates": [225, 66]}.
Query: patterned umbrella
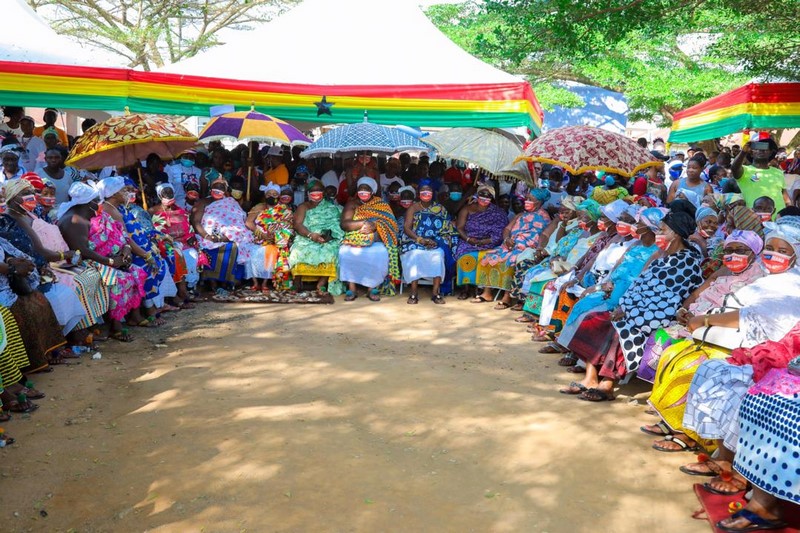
{"type": "Point", "coordinates": [122, 141]}
{"type": "Point", "coordinates": [579, 149]}
{"type": "Point", "coordinates": [489, 150]}
{"type": "Point", "coordinates": [253, 126]}
{"type": "Point", "coordinates": [363, 137]}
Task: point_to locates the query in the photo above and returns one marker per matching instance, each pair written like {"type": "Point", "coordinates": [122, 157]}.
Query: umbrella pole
{"type": "Point", "coordinates": [141, 185]}
{"type": "Point", "coordinates": [249, 168]}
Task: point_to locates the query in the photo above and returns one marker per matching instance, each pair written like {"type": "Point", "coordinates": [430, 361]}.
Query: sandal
{"type": "Point", "coordinates": [552, 347]}
{"type": "Point", "coordinates": [525, 319]}
{"type": "Point", "coordinates": [757, 523]}
{"type": "Point", "coordinates": [595, 395]}
{"type": "Point", "coordinates": [501, 306]}
{"type": "Point", "coordinates": [19, 407]}
{"type": "Point", "coordinates": [713, 468]}
{"type": "Point", "coordinates": [121, 335]}
{"type": "Point", "coordinates": [568, 360]}
{"type": "Point", "coordinates": [413, 300]}
{"type": "Point", "coordinates": [682, 446]}
{"type": "Point", "coordinates": [463, 296]}
{"type": "Point", "coordinates": [517, 307]}
{"type": "Point", "coordinates": [663, 429]}
{"type": "Point", "coordinates": [727, 476]}
{"type": "Point", "coordinates": [478, 300]}
{"type": "Point", "coordinates": [573, 388]}
{"type": "Point", "coordinates": [374, 296]}
{"type": "Point", "coordinates": [6, 440]}
{"type": "Point", "coordinates": [349, 296]}
{"type": "Point", "coordinates": [576, 369]}
{"type": "Point", "coordinates": [437, 299]}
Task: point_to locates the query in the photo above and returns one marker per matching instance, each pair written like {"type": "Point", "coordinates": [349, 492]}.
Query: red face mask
{"type": "Point", "coordinates": [776, 262]}
{"type": "Point", "coordinates": [736, 262]}
{"type": "Point", "coordinates": [584, 225]}
{"type": "Point", "coordinates": [285, 199]}
{"type": "Point", "coordinates": [663, 242]}
{"type": "Point", "coordinates": [167, 202]}
{"type": "Point", "coordinates": [601, 225]}
{"type": "Point", "coordinates": [564, 217]}
{"type": "Point", "coordinates": [3, 208]}
{"type": "Point", "coordinates": [28, 202]}
{"type": "Point", "coordinates": [364, 159]}
{"type": "Point", "coordinates": [703, 233]}
{"type": "Point", "coordinates": [192, 195]}
{"type": "Point", "coordinates": [47, 201]}
{"type": "Point", "coordinates": [131, 198]}
{"type": "Point", "coordinates": [483, 202]}
{"type": "Point", "coordinates": [217, 194]}
{"type": "Point", "coordinates": [426, 196]}
{"type": "Point", "coordinates": [316, 196]}
{"type": "Point", "coordinates": [364, 196]}
{"type": "Point", "coordinates": [765, 217]}
{"type": "Point", "coordinates": [406, 203]}
{"type": "Point", "coordinates": [529, 205]}
{"type": "Point", "coordinates": [624, 229]}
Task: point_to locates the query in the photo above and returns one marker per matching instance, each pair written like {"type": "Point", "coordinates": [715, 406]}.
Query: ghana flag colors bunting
{"type": "Point", "coordinates": [753, 106]}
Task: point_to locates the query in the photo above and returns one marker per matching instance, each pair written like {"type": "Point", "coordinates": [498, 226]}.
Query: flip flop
{"type": "Point", "coordinates": [660, 425]}
{"type": "Point", "coordinates": [686, 470]}
{"type": "Point", "coordinates": [683, 447]}
{"type": "Point", "coordinates": [121, 336]}
{"type": "Point", "coordinates": [573, 388]}
{"type": "Point", "coordinates": [437, 299]}
{"type": "Point", "coordinates": [758, 523]}
{"type": "Point", "coordinates": [478, 300]}
{"type": "Point", "coordinates": [595, 395]}
{"type": "Point", "coordinates": [374, 296]}
{"type": "Point", "coordinates": [576, 369]}
{"type": "Point", "coordinates": [551, 347]}
{"type": "Point", "coordinates": [525, 319]}
{"type": "Point", "coordinates": [501, 306]}
{"type": "Point", "coordinates": [349, 296]}
{"type": "Point", "coordinates": [413, 300]}
{"type": "Point", "coordinates": [568, 360]}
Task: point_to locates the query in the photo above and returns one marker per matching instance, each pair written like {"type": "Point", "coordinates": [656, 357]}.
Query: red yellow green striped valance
{"type": "Point", "coordinates": [751, 107]}
{"type": "Point", "coordinates": [69, 87]}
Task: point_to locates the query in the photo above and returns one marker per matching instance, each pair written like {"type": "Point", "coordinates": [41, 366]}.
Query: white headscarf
{"type": "Point", "coordinates": [366, 180]}
{"type": "Point", "coordinates": [161, 186]}
{"type": "Point", "coordinates": [108, 187]}
{"type": "Point", "coordinates": [80, 194]}
{"type": "Point", "coordinates": [613, 210]}
{"type": "Point", "coordinates": [786, 228]}
{"type": "Point", "coordinates": [408, 188]}
{"type": "Point", "coordinates": [270, 187]}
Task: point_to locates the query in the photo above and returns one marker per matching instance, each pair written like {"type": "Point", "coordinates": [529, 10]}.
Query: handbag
{"type": "Point", "coordinates": [794, 366]}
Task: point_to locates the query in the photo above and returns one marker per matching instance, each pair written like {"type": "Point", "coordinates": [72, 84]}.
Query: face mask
{"type": "Point", "coordinates": [364, 196]}
{"type": "Point", "coordinates": [187, 163]}
{"type": "Point", "coordinates": [47, 201]}
{"type": "Point", "coordinates": [192, 195]}
{"type": "Point", "coordinates": [765, 217]}
{"type": "Point", "coordinates": [285, 199]}
{"type": "Point", "coordinates": [455, 196]}
{"type": "Point", "coordinates": [624, 229]}
{"type": "Point", "coordinates": [364, 159]}
{"type": "Point", "coordinates": [130, 198]}
{"type": "Point", "coordinates": [583, 225]}
{"type": "Point", "coordinates": [703, 233]}
{"type": "Point", "coordinates": [564, 217]}
{"type": "Point", "coordinates": [28, 202]}
{"type": "Point", "coordinates": [426, 196]}
{"type": "Point", "coordinates": [3, 208]}
{"type": "Point", "coordinates": [271, 200]}
{"type": "Point", "coordinates": [237, 194]}
{"type": "Point", "coordinates": [736, 262]}
{"type": "Point", "coordinates": [406, 203]}
{"type": "Point", "coordinates": [601, 225]}
{"type": "Point", "coordinates": [316, 196]}
{"type": "Point", "coordinates": [776, 262]}
{"type": "Point", "coordinates": [483, 202]}
{"type": "Point", "coordinates": [167, 202]}
{"type": "Point", "coordinates": [635, 235]}
{"type": "Point", "coordinates": [663, 242]}
{"type": "Point", "coordinates": [529, 205]}
{"type": "Point", "coordinates": [217, 194]}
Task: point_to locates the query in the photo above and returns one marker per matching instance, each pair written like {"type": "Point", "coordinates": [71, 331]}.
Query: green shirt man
{"type": "Point", "coordinates": [760, 179]}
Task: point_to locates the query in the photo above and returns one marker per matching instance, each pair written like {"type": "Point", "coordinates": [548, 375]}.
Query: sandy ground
{"type": "Point", "coordinates": [350, 417]}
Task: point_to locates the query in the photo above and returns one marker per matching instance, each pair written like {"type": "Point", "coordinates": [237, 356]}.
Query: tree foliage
{"type": "Point", "coordinates": [663, 55]}
{"type": "Point", "coordinates": [152, 33]}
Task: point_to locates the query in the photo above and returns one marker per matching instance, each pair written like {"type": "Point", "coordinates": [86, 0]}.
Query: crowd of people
{"type": "Point", "coordinates": [684, 275]}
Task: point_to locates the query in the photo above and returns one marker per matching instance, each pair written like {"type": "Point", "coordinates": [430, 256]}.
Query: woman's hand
{"type": "Point", "coordinates": [509, 243]}
{"type": "Point", "coordinates": [696, 322]}
{"type": "Point", "coordinates": [617, 314]}
{"type": "Point", "coordinates": [21, 265]}
{"type": "Point", "coordinates": [429, 243]}
{"type": "Point", "coordinates": [683, 316]}
{"type": "Point", "coordinates": [368, 227]}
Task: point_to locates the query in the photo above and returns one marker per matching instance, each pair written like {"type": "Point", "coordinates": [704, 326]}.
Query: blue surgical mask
{"type": "Point", "coordinates": [187, 163]}
{"type": "Point", "coordinates": [455, 196]}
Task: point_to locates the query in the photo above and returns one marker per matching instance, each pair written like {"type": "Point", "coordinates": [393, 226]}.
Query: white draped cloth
{"type": "Point", "coordinates": [367, 266]}
{"type": "Point", "coordinates": [418, 264]}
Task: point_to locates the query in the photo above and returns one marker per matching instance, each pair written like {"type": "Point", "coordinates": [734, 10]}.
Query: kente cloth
{"type": "Point", "coordinates": [595, 343]}
{"type": "Point", "coordinates": [226, 218]}
{"type": "Point", "coordinates": [125, 287]}
{"type": "Point", "coordinates": [223, 264]}
{"type": "Point", "coordinates": [525, 234]}
{"type": "Point", "coordinates": [85, 281]}
{"type": "Point", "coordinates": [39, 329]}
{"type": "Point", "coordinates": [486, 224]}
{"type": "Point", "coordinates": [365, 265]}
{"type": "Point", "coordinates": [432, 222]}
{"type": "Point", "coordinates": [768, 453]}
{"type": "Point", "coordinates": [274, 232]}
{"type": "Point", "coordinates": [653, 300]}
{"type": "Point", "coordinates": [158, 269]}
{"type": "Point", "coordinates": [622, 277]}
{"type": "Point", "coordinates": [12, 355]}
{"type": "Point", "coordinates": [380, 213]}
{"type": "Point", "coordinates": [604, 196]}
{"type": "Point", "coordinates": [173, 221]}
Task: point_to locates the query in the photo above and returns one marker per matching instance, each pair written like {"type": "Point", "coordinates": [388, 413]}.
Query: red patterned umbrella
{"type": "Point", "coordinates": [578, 149]}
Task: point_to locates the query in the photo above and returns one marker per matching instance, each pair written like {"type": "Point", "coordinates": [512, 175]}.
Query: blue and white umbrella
{"type": "Point", "coordinates": [363, 137]}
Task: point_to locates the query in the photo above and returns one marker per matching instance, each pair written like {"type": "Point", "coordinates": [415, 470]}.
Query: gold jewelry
{"type": "Point", "coordinates": [705, 320]}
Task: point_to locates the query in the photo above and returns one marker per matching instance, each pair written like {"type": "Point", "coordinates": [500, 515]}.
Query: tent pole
{"type": "Point", "coordinates": [249, 168]}
{"type": "Point", "coordinates": [141, 185]}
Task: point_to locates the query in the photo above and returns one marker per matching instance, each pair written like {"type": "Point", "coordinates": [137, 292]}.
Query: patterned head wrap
{"type": "Point", "coordinates": [34, 179]}
{"type": "Point", "coordinates": [786, 228]}
{"type": "Point", "coordinates": [614, 210]}
{"type": "Point", "coordinates": [689, 195]}
{"type": "Point", "coordinates": [571, 202]}
{"type": "Point", "coordinates": [731, 197]}
{"type": "Point", "coordinates": [270, 187]}
{"type": "Point", "coordinates": [130, 183]}
{"type": "Point", "coordinates": [652, 217]}
{"type": "Point", "coordinates": [49, 131]}
{"type": "Point", "coordinates": [540, 194]}
{"type": "Point", "coordinates": [15, 187]}
{"type": "Point", "coordinates": [371, 183]}
{"type": "Point", "coordinates": [485, 188]}
{"type": "Point", "coordinates": [311, 183]}
{"type": "Point", "coordinates": [301, 169]}
{"type": "Point", "coordinates": [408, 188]}
{"type": "Point", "coordinates": [633, 211]}
{"type": "Point", "coordinates": [591, 207]}
{"type": "Point", "coordinates": [160, 188]}
{"type": "Point", "coordinates": [681, 223]}
{"type": "Point", "coordinates": [704, 212]}
{"type": "Point", "coordinates": [746, 218]}
{"type": "Point", "coordinates": [746, 237]}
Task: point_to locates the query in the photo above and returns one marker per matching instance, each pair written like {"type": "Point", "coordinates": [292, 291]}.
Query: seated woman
{"type": "Point", "coordinates": [272, 224]}
{"type": "Point", "coordinates": [770, 337]}
{"type": "Point", "coordinates": [15, 395]}
{"type": "Point", "coordinates": [427, 247]}
{"type": "Point", "coordinates": [609, 191]}
{"type": "Point", "coordinates": [173, 221]}
{"type": "Point", "coordinates": [707, 225]}
{"type": "Point", "coordinates": [220, 225]}
{"type": "Point", "coordinates": [566, 255]}
{"type": "Point", "coordinates": [605, 295]}
{"type": "Point", "coordinates": [767, 457]}
{"type": "Point", "coordinates": [589, 272]}
{"type": "Point", "coordinates": [480, 227]}
{"type": "Point", "coordinates": [496, 268]}
{"type": "Point", "coordinates": [369, 247]}
{"type": "Point", "coordinates": [318, 235]}
{"type": "Point", "coordinates": [77, 297]}
{"type": "Point", "coordinates": [612, 344]}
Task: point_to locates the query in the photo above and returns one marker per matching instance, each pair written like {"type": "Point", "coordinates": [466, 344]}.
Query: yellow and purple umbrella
{"type": "Point", "coordinates": [252, 126]}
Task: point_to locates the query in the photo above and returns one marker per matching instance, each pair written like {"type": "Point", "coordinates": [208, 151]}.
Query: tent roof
{"type": "Point", "coordinates": [344, 42]}
{"type": "Point", "coordinates": [27, 38]}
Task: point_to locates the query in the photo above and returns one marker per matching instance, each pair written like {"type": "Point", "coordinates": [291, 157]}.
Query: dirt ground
{"type": "Point", "coordinates": [350, 417]}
